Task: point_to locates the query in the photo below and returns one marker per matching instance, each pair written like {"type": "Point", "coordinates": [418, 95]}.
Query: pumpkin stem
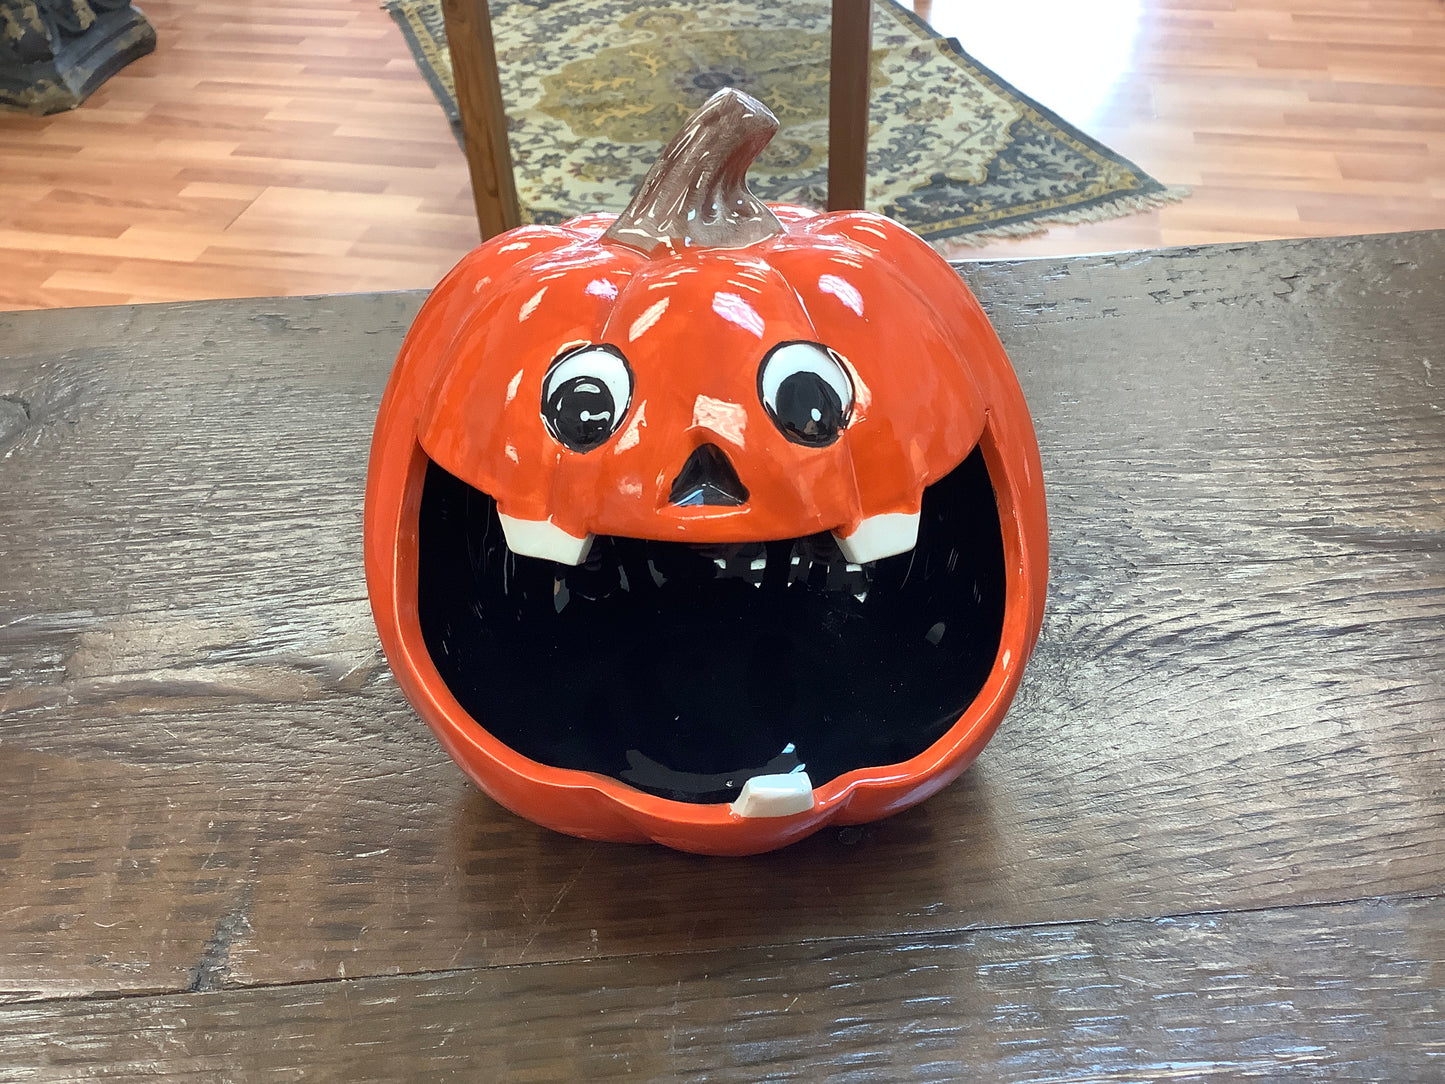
{"type": "Point", "coordinates": [696, 193]}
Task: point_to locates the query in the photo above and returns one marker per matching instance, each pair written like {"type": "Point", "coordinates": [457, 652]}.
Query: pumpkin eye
{"type": "Point", "coordinates": [585, 396]}
{"type": "Point", "coordinates": [806, 392]}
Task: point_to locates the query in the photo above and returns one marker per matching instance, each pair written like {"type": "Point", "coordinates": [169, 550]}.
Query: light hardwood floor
{"type": "Point", "coordinates": [273, 148]}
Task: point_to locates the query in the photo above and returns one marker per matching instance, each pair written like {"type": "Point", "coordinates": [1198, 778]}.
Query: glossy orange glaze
{"type": "Point", "coordinates": [931, 382]}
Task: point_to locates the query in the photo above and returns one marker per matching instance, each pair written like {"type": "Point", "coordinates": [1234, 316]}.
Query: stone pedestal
{"type": "Point", "coordinates": [54, 53]}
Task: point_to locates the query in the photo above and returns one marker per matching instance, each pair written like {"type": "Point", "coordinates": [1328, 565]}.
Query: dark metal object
{"type": "Point", "coordinates": [54, 53]}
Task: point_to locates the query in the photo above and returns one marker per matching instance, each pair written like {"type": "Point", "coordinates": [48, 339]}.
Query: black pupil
{"type": "Point", "coordinates": [581, 412]}
{"type": "Point", "coordinates": [808, 409]}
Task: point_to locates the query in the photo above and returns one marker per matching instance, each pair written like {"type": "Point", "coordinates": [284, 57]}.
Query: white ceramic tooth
{"type": "Point", "coordinates": [775, 795]}
{"type": "Point", "coordinates": [880, 536]}
{"type": "Point", "coordinates": [543, 538]}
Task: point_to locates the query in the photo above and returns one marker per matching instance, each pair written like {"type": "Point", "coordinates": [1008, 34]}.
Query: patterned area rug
{"type": "Point", "coordinates": [594, 88]}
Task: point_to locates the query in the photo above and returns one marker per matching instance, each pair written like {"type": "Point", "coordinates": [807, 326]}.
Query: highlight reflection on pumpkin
{"type": "Point", "coordinates": [709, 524]}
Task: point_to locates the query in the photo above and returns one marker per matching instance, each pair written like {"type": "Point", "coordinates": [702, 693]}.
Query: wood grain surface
{"type": "Point", "coordinates": [1338, 992]}
{"type": "Point", "coordinates": [1208, 840]}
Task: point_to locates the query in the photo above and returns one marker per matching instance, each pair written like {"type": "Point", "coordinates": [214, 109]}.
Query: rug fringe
{"type": "Point", "coordinates": [1099, 212]}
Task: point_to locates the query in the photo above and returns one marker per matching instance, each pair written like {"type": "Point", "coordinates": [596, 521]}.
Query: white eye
{"type": "Point", "coordinates": [807, 392]}
{"type": "Point", "coordinates": [585, 396]}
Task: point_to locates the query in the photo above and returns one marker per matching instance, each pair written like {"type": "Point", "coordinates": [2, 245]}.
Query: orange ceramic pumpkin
{"type": "Point", "coordinates": [708, 524]}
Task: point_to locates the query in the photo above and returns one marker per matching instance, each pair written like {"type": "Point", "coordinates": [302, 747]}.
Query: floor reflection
{"type": "Point", "coordinates": [1070, 59]}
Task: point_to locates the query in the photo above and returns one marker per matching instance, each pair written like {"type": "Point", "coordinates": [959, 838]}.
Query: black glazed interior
{"type": "Point", "coordinates": [684, 670]}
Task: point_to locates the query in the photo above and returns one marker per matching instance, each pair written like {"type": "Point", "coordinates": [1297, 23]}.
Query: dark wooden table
{"type": "Point", "coordinates": [1208, 840]}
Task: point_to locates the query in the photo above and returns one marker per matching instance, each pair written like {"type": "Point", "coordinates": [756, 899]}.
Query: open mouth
{"type": "Point", "coordinates": [687, 670]}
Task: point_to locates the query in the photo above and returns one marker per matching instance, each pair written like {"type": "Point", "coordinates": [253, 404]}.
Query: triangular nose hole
{"type": "Point", "coordinates": [708, 478]}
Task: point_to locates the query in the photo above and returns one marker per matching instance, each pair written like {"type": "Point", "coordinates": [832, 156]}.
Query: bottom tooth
{"type": "Point", "coordinates": [543, 538]}
{"type": "Point", "coordinates": [775, 795]}
{"type": "Point", "coordinates": [880, 536]}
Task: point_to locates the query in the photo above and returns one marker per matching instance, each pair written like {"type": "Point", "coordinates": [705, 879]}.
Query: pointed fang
{"type": "Point", "coordinates": [544, 539]}
{"type": "Point", "coordinates": [880, 536]}
{"type": "Point", "coordinates": [775, 795]}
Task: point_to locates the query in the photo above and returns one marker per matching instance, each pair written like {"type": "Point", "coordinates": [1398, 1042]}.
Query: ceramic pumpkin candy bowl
{"type": "Point", "coordinates": [708, 524]}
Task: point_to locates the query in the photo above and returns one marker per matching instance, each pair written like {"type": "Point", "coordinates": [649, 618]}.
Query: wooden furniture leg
{"type": "Point", "coordinates": [848, 104]}
{"type": "Point", "coordinates": [484, 122]}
